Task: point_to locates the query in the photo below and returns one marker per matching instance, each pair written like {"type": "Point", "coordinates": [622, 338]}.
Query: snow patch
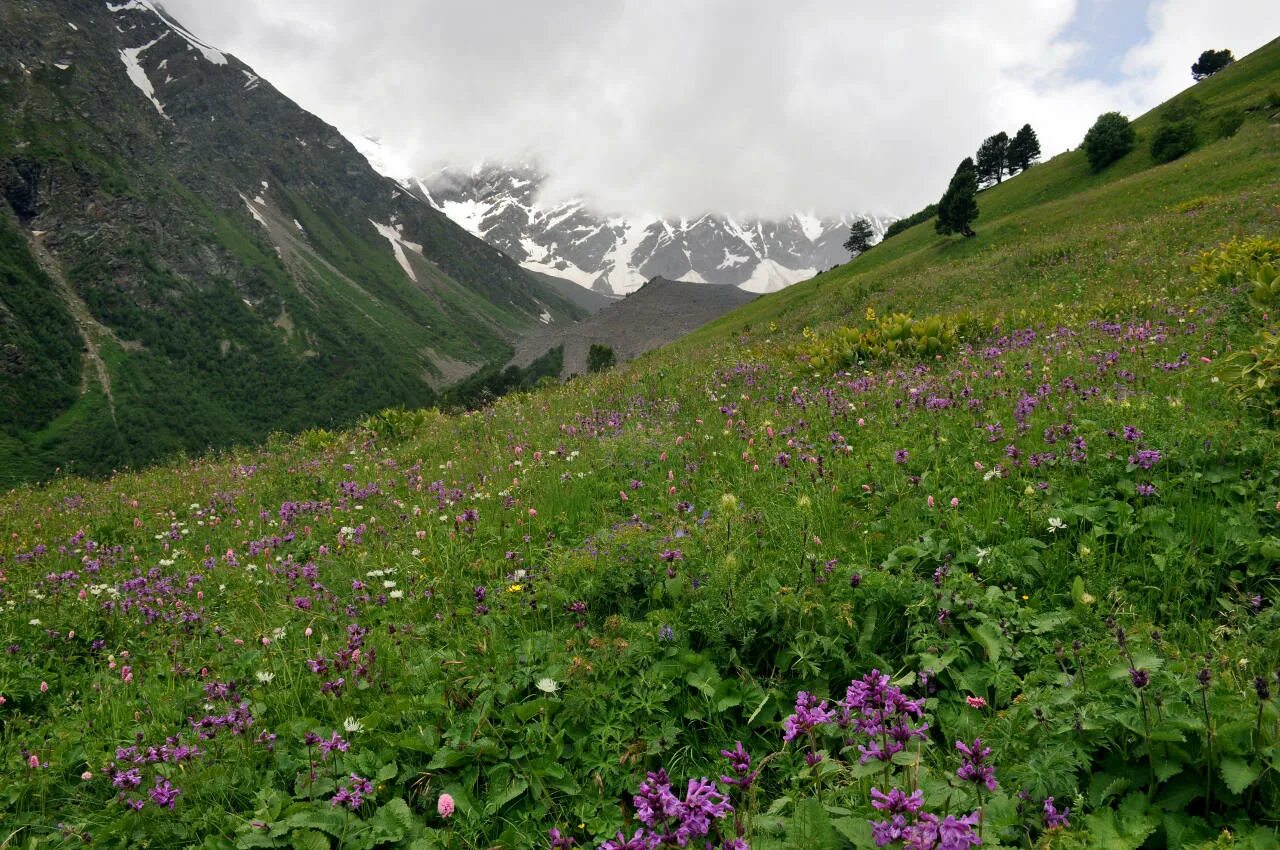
{"type": "Point", "coordinates": [398, 244]}
{"type": "Point", "coordinates": [731, 260]}
{"type": "Point", "coordinates": [621, 275]}
{"type": "Point", "coordinates": [217, 57]}
{"type": "Point", "coordinates": [61, 66]}
{"type": "Point", "coordinates": [74, 28]}
{"type": "Point", "coordinates": [564, 269]}
{"type": "Point", "coordinates": [299, 226]}
{"type": "Point", "coordinates": [468, 214]}
{"type": "Point", "coordinates": [533, 250]}
{"type": "Point", "coordinates": [771, 276]}
{"type": "Point", "coordinates": [544, 316]}
{"type": "Point", "coordinates": [138, 76]}
{"type": "Point", "coordinates": [253, 211]}
{"type": "Point", "coordinates": [810, 225]}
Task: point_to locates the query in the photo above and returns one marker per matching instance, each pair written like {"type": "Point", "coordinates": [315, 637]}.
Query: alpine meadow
{"type": "Point", "coordinates": [970, 541]}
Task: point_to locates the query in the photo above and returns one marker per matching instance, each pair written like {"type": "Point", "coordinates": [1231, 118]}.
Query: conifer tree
{"type": "Point", "coordinates": [993, 157]}
{"type": "Point", "coordinates": [860, 236]}
{"type": "Point", "coordinates": [959, 205]}
{"type": "Point", "coordinates": [1024, 149]}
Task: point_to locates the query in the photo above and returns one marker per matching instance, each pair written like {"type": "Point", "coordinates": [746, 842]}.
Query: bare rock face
{"type": "Point", "coordinates": [616, 255]}
{"type": "Point", "coordinates": [657, 313]}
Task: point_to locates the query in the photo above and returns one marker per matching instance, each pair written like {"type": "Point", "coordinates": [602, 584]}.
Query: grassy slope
{"type": "Point", "coordinates": [1059, 229]}
{"type": "Point", "coordinates": [777, 487]}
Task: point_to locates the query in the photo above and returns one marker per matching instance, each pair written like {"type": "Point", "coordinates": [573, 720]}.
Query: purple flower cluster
{"type": "Point", "coordinates": [1054, 819]}
{"type": "Point", "coordinates": [740, 765]}
{"type": "Point", "coordinates": [810, 714]}
{"type": "Point", "coordinates": [354, 658]}
{"type": "Point", "coordinates": [917, 829]}
{"type": "Point", "coordinates": [668, 820]}
{"type": "Point", "coordinates": [883, 713]}
{"type": "Point", "coordinates": [1144, 458]}
{"type": "Point", "coordinates": [974, 767]}
{"type": "Point", "coordinates": [352, 794]}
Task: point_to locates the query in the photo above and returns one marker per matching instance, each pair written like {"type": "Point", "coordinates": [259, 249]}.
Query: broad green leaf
{"type": "Point", "coordinates": [989, 639]}
{"type": "Point", "coordinates": [308, 839]}
{"type": "Point", "coordinates": [1238, 773]}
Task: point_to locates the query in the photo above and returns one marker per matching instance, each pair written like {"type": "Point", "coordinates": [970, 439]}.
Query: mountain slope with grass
{"type": "Point", "coordinates": [822, 575]}
{"type": "Point", "coordinates": [225, 263]}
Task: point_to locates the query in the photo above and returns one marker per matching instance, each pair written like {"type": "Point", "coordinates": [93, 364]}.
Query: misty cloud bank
{"type": "Point", "coordinates": [749, 106]}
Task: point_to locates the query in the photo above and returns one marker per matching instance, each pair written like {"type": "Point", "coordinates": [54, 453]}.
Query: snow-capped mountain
{"type": "Point", "coordinates": [616, 255]}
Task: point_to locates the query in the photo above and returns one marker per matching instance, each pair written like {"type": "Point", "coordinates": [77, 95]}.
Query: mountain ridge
{"type": "Point", "coordinates": [249, 271]}
{"type": "Point", "coordinates": [617, 254]}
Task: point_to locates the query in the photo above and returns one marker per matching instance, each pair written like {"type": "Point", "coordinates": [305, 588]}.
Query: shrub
{"type": "Point", "coordinates": [1237, 262]}
{"type": "Point", "coordinates": [1172, 141]}
{"type": "Point", "coordinates": [600, 357]}
{"type": "Point", "coordinates": [911, 220]}
{"type": "Point", "coordinates": [1110, 138]}
{"type": "Point", "coordinates": [1227, 124]}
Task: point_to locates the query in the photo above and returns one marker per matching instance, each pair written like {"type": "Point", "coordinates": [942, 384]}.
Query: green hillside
{"type": "Point", "coordinates": [1064, 234]}
{"type": "Point", "coordinates": [202, 271]}
{"type": "Point", "coordinates": [1039, 519]}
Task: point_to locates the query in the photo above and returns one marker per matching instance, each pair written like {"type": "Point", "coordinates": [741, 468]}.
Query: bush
{"type": "Point", "coordinates": [600, 357]}
{"type": "Point", "coordinates": [1227, 124]}
{"type": "Point", "coordinates": [1172, 141]}
{"type": "Point", "coordinates": [1110, 138]}
{"type": "Point", "coordinates": [911, 220]}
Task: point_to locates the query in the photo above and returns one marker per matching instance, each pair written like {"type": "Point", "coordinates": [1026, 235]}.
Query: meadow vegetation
{"type": "Point", "coordinates": [971, 539]}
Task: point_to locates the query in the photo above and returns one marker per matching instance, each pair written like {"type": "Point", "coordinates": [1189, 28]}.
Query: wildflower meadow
{"type": "Point", "coordinates": [973, 543]}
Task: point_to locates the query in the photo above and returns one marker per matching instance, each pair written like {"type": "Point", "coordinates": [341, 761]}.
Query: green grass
{"type": "Point", "coordinates": [1060, 533]}
{"type": "Point", "coordinates": [1112, 231]}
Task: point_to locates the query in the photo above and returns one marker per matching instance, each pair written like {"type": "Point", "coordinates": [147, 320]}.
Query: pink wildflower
{"type": "Point", "coordinates": [445, 806]}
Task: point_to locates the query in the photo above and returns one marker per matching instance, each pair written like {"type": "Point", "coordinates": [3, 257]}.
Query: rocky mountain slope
{"type": "Point", "coordinates": [616, 255]}
{"type": "Point", "coordinates": [191, 259]}
{"type": "Point", "coordinates": [657, 313]}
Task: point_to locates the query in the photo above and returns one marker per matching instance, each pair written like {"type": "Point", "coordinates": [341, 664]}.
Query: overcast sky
{"type": "Point", "coordinates": [739, 106]}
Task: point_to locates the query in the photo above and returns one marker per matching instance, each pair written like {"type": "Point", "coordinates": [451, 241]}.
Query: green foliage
{"type": "Point", "coordinates": [39, 344]}
{"type": "Point", "coordinates": [1210, 63]}
{"type": "Point", "coordinates": [1238, 262]}
{"type": "Point", "coordinates": [992, 159]}
{"type": "Point", "coordinates": [891, 337]}
{"type": "Point", "coordinates": [1024, 149]}
{"type": "Point", "coordinates": [860, 237]}
{"type": "Point", "coordinates": [600, 358]}
{"type": "Point", "coordinates": [1172, 141]}
{"type": "Point", "coordinates": [958, 207]}
{"type": "Point", "coordinates": [911, 220]}
{"type": "Point", "coordinates": [1227, 125]}
{"type": "Point", "coordinates": [1110, 138]}
{"type": "Point", "coordinates": [482, 388]}
{"type": "Point", "coordinates": [532, 606]}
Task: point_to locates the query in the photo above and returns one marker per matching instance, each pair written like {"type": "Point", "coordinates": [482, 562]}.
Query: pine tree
{"type": "Point", "coordinates": [1024, 149]}
{"type": "Point", "coordinates": [959, 205]}
{"type": "Point", "coordinates": [860, 236]}
{"type": "Point", "coordinates": [993, 158]}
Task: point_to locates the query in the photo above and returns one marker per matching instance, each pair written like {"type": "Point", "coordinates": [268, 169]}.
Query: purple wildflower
{"type": "Point", "coordinates": [164, 794]}
{"type": "Point", "coordinates": [1054, 819]}
{"type": "Point", "coordinates": [975, 768]}
{"type": "Point", "coordinates": [740, 766]}
{"type": "Point", "coordinates": [810, 713]}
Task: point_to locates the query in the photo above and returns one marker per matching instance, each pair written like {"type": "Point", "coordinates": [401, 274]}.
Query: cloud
{"type": "Point", "coordinates": [743, 106]}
